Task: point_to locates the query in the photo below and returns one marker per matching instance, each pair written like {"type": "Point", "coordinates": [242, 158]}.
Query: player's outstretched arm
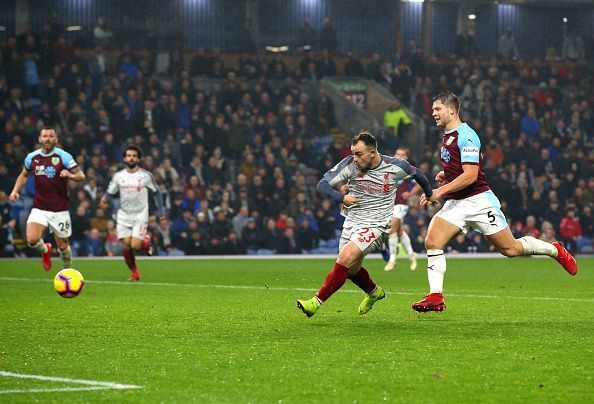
{"type": "Point", "coordinates": [422, 181]}
{"type": "Point", "coordinates": [74, 174]}
{"type": "Point", "coordinates": [468, 176]}
{"type": "Point", "coordinates": [19, 184]}
{"type": "Point", "coordinates": [327, 191]}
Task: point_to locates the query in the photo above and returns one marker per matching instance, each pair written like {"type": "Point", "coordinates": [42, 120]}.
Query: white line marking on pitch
{"type": "Point", "coordinates": [94, 384]}
{"type": "Point", "coordinates": [274, 288]}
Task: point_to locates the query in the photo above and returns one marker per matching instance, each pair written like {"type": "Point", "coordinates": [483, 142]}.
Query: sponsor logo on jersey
{"type": "Point", "coordinates": [50, 172]}
{"type": "Point", "coordinates": [470, 150]}
{"type": "Point", "coordinates": [55, 160]}
{"type": "Point", "coordinates": [445, 155]}
{"type": "Point", "coordinates": [39, 170]}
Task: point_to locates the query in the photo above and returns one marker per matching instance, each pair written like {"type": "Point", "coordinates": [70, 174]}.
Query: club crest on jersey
{"type": "Point", "coordinates": [50, 172]}
{"type": "Point", "coordinates": [55, 160]}
{"type": "Point", "coordinates": [445, 155]}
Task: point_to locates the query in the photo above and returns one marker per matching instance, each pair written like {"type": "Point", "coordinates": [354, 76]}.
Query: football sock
{"type": "Point", "coordinates": [40, 246]}
{"type": "Point", "coordinates": [436, 268]}
{"type": "Point", "coordinates": [130, 259]}
{"type": "Point", "coordinates": [146, 243]}
{"type": "Point", "coordinates": [66, 256]}
{"type": "Point", "coordinates": [363, 281]}
{"type": "Point", "coordinates": [393, 244]}
{"type": "Point", "coordinates": [406, 243]}
{"type": "Point", "coordinates": [335, 279]}
{"type": "Point", "coordinates": [534, 246]}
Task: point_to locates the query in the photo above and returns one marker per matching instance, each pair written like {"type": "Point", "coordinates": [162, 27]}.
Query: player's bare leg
{"type": "Point", "coordinates": [347, 266]}
{"type": "Point", "coordinates": [65, 251]}
{"type": "Point", "coordinates": [440, 232]}
{"type": "Point", "coordinates": [405, 240]}
{"type": "Point", "coordinates": [35, 241]}
{"type": "Point", "coordinates": [509, 246]}
{"type": "Point", "coordinates": [130, 258]}
{"type": "Point", "coordinates": [393, 244]}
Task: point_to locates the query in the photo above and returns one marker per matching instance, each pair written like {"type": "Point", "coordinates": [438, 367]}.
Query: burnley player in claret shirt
{"type": "Point", "coordinates": [51, 167]}
{"type": "Point", "coordinates": [470, 203]}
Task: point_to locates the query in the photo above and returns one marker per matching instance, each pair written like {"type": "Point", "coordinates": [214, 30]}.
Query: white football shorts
{"type": "Point", "coordinates": [368, 239]}
{"type": "Point", "coordinates": [58, 222]}
{"type": "Point", "coordinates": [481, 212]}
{"type": "Point", "coordinates": [400, 211]}
{"type": "Point", "coordinates": [136, 230]}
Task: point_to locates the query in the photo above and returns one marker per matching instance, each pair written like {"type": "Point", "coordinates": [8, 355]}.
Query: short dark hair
{"type": "Point", "coordinates": [137, 149]}
{"type": "Point", "coordinates": [48, 128]}
{"type": "Point", "coordinates": [448, 99]}
{"type": "Point", "coordinates": [366, 138]}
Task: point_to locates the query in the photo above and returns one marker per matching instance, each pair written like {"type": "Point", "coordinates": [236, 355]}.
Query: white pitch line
{"type": "Point", "coordinates": [56, 390]}
{"type": "Point", "coordinates": [279, 288]}
{"type": "Point", "coordinates": [94, 383]}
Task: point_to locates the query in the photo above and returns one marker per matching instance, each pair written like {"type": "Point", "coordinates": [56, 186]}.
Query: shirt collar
{"type": "Point", "coordinates": [447, 132]}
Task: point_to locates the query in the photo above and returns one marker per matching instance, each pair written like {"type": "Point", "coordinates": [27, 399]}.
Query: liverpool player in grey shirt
{"type": "Point", "coordinates": [372, 180]}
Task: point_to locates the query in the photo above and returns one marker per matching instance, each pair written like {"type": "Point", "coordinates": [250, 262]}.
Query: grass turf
{"type": "Point", "coordinates": [229, 331]}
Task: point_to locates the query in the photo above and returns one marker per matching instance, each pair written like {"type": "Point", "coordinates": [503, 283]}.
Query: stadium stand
{"type": "Point", "coordinates": [237, 142]}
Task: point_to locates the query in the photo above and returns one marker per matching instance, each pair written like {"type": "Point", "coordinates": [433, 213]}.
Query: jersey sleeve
{"type": "Point", "coordinates": [28, 160]}
{"type": "Point", "coordinates": [151, 184]}
{"type": "Point", "coordinates": [67, 159]}
{"type": "Point", "coordinates": [337, 174]}
{"type": "Point", "coordinates": [470, 147]}
{"type": "Point", "coordinates": [113, 187]}
{"type": "Point", "coordinates": [411, 172]}
{"type": "Point", "coordinates": [405, 166]}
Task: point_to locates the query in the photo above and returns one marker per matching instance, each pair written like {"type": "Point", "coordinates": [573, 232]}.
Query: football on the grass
{"type": "Point", "coordinates": [69, 282]}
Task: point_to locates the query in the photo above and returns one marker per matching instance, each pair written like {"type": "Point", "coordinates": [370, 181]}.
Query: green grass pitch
{"type": "Point", "coordinates": [229, 331]}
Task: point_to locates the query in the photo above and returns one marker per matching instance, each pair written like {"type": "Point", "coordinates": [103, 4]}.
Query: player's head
{"type": "Point", "coordinates": [132, 156]}
{"type": "Point", "coordinates": [48, 138]}
{"type": "Point", "coordinates": [446, 107]}
{"type": "Point", "coordinates": [364, 150]}
{"type": "Point", "coordinates": [402, 153]}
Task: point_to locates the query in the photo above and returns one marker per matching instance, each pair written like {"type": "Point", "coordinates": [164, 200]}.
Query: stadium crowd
{"type": "Point", "coordinates": [237, 153]}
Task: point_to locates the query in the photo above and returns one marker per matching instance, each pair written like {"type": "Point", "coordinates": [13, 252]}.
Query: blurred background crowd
{"type": "Point", "coordinates": [237, 144]}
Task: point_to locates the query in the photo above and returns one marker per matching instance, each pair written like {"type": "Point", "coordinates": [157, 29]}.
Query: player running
{"type": "Point", "coordinates": [470, 203]}
{"type": "Point", "coordinates": [406, 188]}
{"type": "Point", "coordinates": [133, 184]}
{"type": "Point", "coordinates": [372, 180]}
{"type": "Point", "coordinates": [52, 167]}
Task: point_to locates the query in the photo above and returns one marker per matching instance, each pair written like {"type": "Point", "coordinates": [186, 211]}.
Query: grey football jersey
{"type": "Point", "coordinates": [375, 189]}
{"type": "Point", "coordinates": [133, 189]}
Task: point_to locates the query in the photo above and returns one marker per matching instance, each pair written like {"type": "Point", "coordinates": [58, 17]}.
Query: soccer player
{"type": "Point", "coordinates": [52, 167]}
{"type": "Point", "coordinates": [372, 180]}
{"type": "Point", "coordinates": [133, 184]}
{"type": "Point", "coordinates": [397, 232]}
{"type": "Point", "coordinates": [470, 203]}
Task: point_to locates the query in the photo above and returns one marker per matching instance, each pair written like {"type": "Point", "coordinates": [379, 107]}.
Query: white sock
{"type": "Point", "coordinates": [406, 243]}
{"type": "Point", "coordinates": [66, 256]}
{"type": "Point", "coordinates": [40, 246]}
{"type": "Point", "coordinates": [534, 246]}
{"type": "Point", "coordinates": [393, 244]}
{"type": "Point", "coordinates": [436, 267]}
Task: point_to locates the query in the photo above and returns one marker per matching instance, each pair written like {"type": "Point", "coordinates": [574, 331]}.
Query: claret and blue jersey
{"type": "Point", "coordinates": [51, 191]}
{"type": "Point", "coordinates": [462, 146]}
